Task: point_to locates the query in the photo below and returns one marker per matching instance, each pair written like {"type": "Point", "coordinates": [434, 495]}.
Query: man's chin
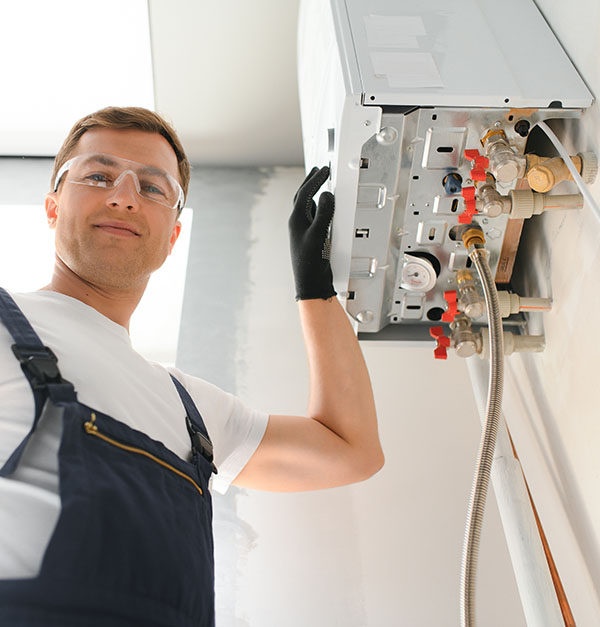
{"type": "Point", "coordinates": [121, 281]}
{"type": "Point", "coordinates": [109, 271]}
{"type": "Point", "coordinates": [111, 277]}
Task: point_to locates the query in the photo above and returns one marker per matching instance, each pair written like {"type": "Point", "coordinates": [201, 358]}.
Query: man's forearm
{"type": "Point", "coordinates": [341, 396]}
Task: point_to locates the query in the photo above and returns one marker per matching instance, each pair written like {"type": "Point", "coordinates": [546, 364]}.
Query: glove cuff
{"type": "Point", "coordinates": [309, 295]}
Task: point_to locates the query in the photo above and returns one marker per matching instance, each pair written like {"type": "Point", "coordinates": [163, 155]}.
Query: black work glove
{"type": "Point", "coordinates": [309, 238]}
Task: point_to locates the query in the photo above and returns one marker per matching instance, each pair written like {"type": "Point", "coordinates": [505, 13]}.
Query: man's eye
{"type": "Point", "coordinates": [149, 188]}
{"type": "Point", "coordinates": [96, 178]}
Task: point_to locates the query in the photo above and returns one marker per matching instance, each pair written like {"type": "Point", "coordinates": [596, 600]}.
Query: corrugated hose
{"type": "Point", "coordinates": [485, 456]}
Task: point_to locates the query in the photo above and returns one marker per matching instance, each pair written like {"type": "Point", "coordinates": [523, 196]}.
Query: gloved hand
{"type": "Point", "coordinates": [309, 242]}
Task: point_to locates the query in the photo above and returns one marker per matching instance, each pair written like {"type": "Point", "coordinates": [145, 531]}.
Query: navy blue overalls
{"type": "Point", "coordinates": [133, 544]}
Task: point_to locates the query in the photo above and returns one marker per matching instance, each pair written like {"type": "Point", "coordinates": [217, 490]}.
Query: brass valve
{"type": "Point", "coordinates": [463, 339]}
{"type": "Point", "coordinates": [468, 342]}
{"type": "Point", "coordinates": [504, 163]}
{"type": "Point", "coordinates": [543, 173]}
{"type": "Point", "coordinates": [491, 203]}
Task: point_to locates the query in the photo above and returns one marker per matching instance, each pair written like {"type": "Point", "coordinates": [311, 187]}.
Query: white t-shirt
{"type": "Point", "coordinates": [96, 356]}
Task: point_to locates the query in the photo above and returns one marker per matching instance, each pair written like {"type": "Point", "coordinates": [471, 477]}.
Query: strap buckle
{"type": "Point", "coordinates": [201, 443]}
{"type": "Point", "coordinates": [40, 364]}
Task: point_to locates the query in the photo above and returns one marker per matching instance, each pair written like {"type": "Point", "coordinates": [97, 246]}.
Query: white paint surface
{"type": "Point", "coordinates": [225, 75]}
{"type": "Point", "coordinates": [154, 330]}
{"type": "Point", "coordinates": [64, 59]}
{"type": "Point", "coordinates": [550, 400]}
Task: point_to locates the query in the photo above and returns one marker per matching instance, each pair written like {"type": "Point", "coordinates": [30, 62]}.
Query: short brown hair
{"type": "Point", "coordinates": [124, 118]}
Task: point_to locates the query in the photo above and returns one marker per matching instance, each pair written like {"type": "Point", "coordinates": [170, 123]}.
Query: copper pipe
{"type": "Point", "coordinates": [563, 602]}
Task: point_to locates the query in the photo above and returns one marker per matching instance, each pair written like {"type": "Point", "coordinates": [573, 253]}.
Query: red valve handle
{"type": "Point", "coordinates": [466, 216]}
{"type": "Point", "coordinates": [479, 159]}
{"type": "Point", "coordinates": [480, 164]}
{"type": "Point", "coordinates": [468, 193]}
{"type": "Point", "coordinates": [450, 297]}
{"type": "Point", "coordinates": [443, 342]}
{"type": "Point", "coordinates": [478, 174]}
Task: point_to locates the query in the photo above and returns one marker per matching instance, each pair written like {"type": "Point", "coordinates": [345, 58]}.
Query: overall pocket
{"type": "Point", "coordinates": [147, 517]}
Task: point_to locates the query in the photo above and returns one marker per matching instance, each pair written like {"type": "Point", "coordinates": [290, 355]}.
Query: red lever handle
{"type": "Point", "coordinates": [450, 313]}
{"type": "Point", "coordinates": [443, 342]}
{"type": "Point", "coordinates": [481, 163]}
{"type": "Point", "coordinates": [468, 193]}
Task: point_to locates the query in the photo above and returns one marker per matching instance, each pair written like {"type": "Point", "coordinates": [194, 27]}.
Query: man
{"type": "Point", "coordinates": [106, 458]}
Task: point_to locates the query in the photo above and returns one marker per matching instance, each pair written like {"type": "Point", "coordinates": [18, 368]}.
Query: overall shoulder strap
{"type": "Point", "coordinates": [16, 322]}
{"type": "Point", "coordinates": [195, 425]}
{"type": "Point", "coordinates": [39, 364]}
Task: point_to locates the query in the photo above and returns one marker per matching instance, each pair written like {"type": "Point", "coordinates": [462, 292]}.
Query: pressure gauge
{"type": "Point", "coordinates": [418, 274]}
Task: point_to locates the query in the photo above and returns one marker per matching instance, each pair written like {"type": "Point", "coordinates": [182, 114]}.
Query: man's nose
{"type": "Point", "coordinates": [125, 192]}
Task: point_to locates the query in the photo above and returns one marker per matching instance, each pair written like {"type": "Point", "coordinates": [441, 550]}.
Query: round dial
{"type": "Point", "coordinates": [418, 274]}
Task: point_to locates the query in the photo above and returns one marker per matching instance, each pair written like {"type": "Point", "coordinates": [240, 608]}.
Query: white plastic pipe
{"type": "Point", "coordinates": [534, 304]}
{"type": "Point", "coordinates": [534, 581]}
{"type": "Point", "coordinates": [567, 159]}
{"type": "Point", "coordinates": [511, 303]}
{"type": "Point", "coordinates": [512, 343]}
{"type": "Point", "coordinates": [560, 202]}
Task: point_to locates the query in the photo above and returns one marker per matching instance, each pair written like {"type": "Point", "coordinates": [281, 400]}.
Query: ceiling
{"type": "Point", "coordinates": [223, 73]}
{"type": "Point", "coordinates": [225, 76]}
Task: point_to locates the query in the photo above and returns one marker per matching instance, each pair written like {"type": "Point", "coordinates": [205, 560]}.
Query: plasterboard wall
{"type": "Point", "coordinates": [550, 400]}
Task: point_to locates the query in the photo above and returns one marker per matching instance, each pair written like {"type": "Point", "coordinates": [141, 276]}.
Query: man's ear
{"type": "Point", "coordinates": [174, 235]}
{"type": "Point", "coordinates": [51, 206]}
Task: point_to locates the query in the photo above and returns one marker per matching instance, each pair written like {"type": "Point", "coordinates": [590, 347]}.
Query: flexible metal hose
{"type": "Point", "coordinates": [488, 441]}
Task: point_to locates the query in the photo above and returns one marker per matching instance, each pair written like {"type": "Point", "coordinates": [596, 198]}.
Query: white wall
{"type": "Point", "coordinates": [550, 400]}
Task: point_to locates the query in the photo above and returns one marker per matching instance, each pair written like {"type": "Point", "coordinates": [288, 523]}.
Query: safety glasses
{"type": "Point", "coordinates": [107, 171]}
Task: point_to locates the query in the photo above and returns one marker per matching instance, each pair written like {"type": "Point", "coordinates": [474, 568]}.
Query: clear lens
{"type": "Point", "coordinates": [107, 171]}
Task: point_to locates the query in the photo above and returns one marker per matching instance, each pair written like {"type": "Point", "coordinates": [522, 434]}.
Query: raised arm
{"type": "Point", "coordinates": [337, 442]}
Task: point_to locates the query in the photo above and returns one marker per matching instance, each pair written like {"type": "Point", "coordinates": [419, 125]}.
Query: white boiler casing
{"type": "Point", "coordinates": [391, 94]}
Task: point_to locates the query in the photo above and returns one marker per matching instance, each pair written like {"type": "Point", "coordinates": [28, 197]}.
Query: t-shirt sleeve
{"type": "Point", "coordinates": [234, 429]}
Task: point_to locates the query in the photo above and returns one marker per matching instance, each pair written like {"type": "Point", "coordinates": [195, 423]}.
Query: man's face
{"type": "Point", "coordinates": [103, 256]}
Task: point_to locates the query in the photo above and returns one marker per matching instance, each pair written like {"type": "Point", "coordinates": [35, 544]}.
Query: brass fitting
{"type": "Point", "coordinates": [544, 173]}
{"type": "Point", "coordinates": [464, 276]}
{"type": "Point", "coordinates": [473, 237]}
{"type": "Point", "coordinates": [490, 133]}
